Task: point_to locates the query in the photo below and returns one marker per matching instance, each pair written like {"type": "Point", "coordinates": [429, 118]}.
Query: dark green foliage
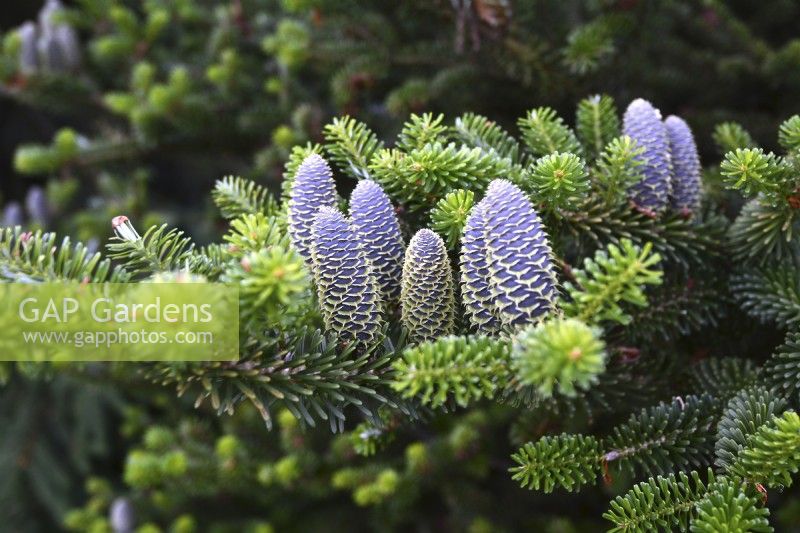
{"type": "Point", "coordinates": [588, 46]}
{"type": "Point", "coordinates": [678, 308]}
{"type": "Point", "coordinates": [746, 412]}
{"type": "Point", "coordinates": [761, 234]}
{"type": "Point", "coordinates": [782, 370]}
{"type": "Point", "coordinates": [720, 377]}
{"type": "Point", "coordinates": [771, 295]}
{"type": "Point", "coordinates": [660, 503]}
{"type": "Point", "coordinates": [678, 434]}
{"type": "Point", "coordinates": [312, 377]}
{"type": "Point", "coordinates": [674, 238]}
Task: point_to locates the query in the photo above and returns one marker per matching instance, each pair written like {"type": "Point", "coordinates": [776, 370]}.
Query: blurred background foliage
{"type": "Point", "coordinates": [162, 98]}
{"type": "Point", "coordinates": [144, 104]}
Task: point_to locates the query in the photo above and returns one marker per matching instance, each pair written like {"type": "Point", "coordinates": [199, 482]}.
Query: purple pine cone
{"type": "Point", "coordinates": [685, 165]}
{"type": "Point", "coordinates": [642, 122]}
{"type": "Point", "coordinates": [59, 49]}
{"type": "Point", "coordinates": [37, 205]}
{"type": "Point", "coordinates": [378, 229]}
{"type": "Point", "coordinates": [28, 53]}
{"type": "Point", "coordinates": [313, 188]}
{"type": "Point", "coordinates": [122, 516]}
{"type": "Point", "coordinates": [12, 215]}
{"type": "Point", "coordinates": [427, 294]}
{"type": "Point", "coordinates": [475, 289]}
{"type": "Point", "coordinates": [522, 277]}
{"type": "Point", "coordinates": [346, 285]}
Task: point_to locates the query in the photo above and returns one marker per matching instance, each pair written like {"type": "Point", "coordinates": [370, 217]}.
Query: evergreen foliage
{"type": "Point", "coordinates": [468, 368]}
{"type": "Point", "coordinates": [612, 340]}
{"type": "Point", "coordinates": [597, 123]}
{"type": "Point", "coordinates": [544, 132]}
{"type": "Point", "coordinates": [727, 507]}
{"type": "Point", "coordinates": [449, 217]}
{"type": "Point", "coordinates": [564, 354]}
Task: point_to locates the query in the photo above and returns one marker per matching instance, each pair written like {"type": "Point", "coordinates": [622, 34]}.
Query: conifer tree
{"type": "Point", "coordinates": [590, 293]}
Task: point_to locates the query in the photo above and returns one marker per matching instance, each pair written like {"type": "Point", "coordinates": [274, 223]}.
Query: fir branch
{"type": "Point", "coordinates": [789, 134]}
{"type": "Point", "coordinates": [721, 377]}
{"type": "Point", "coordinates": [771, 295]}
{"type": "Point", "coordinates": [744, 415]}
{"type": "Point", "coordinates": [782, 371]}
{"type": "Point", "coordinates": [159, 249]}
{"type": "Point", "coordinates": [678, 308]}
{"type": "Point", "coordinates": [420, 130]}
{"type": "Point", "coordinates": [559, 180]}
{"type": "Point", "coordinates": [663, 502]}
{"type": "Point", "coordinates": [479, 131]}
{"type": "Point", "coordinates": [730, 136]}
{"type": "Point", "coordinates": [312, 376]}
{"type": "Point", "coordinates": [614, 275]}
{"type": "Point", "coordinates": [544, 132]}
{"type": "Point", "coordinates": [762, 234]}
{"type": "Point", "coordinates": [665, 437]}
{"type": "Point", "coordinates": [424, 175]}
{"type": "Point", "coordinates": [38, 257]}
{"type": "Point", "coordinates": [466, 368]}
{"type": "Point", "coordinates": [728, 506]}
{"type": "Point", "coordinates": [254, 232]}
{"type": "Point", "coordinates": [449, 215]}
{"type": "Point", "coordinates": [678, 241]}
{"type": "Point", "coordinates": [587, 46]}
{"type": "Point", "coordinates": [596, 123]}
{"type": "Point", "coordinates": [558, 354]}
{"type": "Point", "coordinates": [618, 168]}
{"type": "Point", "coordinates": [772, 453]}
{"type": "Point", "coordinates": [273, 282]}
{"type": "Point", "coordinates": [563, 461]}
{"type": "Point", "coordinates": [351, 145]}
{"type": "Point", "coordinates": [753, 172]}
{"type": "Point", "coordinates": [235, 196]}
